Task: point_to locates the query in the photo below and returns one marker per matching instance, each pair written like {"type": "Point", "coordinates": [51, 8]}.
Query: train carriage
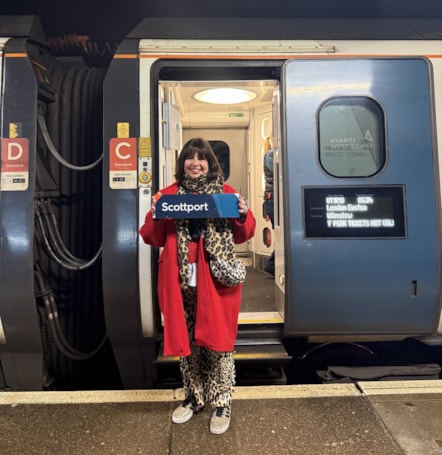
{"type": "Point", "coordinates": [352, 109]}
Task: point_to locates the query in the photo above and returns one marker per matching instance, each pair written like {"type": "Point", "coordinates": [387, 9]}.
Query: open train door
{"type": "Point", "coordinates": [360, 170]}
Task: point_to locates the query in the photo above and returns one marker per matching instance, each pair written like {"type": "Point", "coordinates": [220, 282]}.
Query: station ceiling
{"type": "Point", "coordinates": [113, 20]}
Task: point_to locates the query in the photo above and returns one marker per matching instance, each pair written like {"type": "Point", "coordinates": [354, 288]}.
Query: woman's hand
{"type": "Point", "coordinates": [242, 206]}
{"type": "Point", "coordinates": [155, 199]}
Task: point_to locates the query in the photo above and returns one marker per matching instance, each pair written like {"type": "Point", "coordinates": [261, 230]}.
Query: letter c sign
{"type": "Point", "coordinates": [123, 154]}
{"type": "Point", "coordinates": [123, 163]}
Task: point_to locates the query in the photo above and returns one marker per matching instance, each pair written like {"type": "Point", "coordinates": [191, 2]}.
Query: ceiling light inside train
{"type": "Point", "coordinates": [225, 96]}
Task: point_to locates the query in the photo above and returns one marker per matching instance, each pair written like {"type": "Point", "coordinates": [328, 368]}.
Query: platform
{"type": "Point", "coordinates": [378, 418]}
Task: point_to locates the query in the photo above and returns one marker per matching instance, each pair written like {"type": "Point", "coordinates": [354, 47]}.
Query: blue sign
{"type": "Point", "coordinates": [197, 206]}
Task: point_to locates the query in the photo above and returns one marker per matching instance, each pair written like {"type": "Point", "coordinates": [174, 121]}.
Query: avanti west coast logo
{"type": "Point", "coordinates": [197, 206]}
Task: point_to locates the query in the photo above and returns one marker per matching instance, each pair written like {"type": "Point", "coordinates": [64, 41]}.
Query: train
{"type": "Point", "coordinates": [352, 110]}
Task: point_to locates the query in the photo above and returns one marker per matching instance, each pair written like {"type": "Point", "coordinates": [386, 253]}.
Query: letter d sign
{"type": "Point", "coordinates": [15, 154]}
{"type": "Point", "coordinates": [14, 164]}
{"type": "Point", "coordinates": [14, 151]}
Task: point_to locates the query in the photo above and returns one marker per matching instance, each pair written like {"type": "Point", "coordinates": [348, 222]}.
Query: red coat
{"type": "Point", "coordinates": [217, 305]}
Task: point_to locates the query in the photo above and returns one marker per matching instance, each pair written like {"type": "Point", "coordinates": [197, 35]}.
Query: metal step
{"type": "Point", "coordinates": [274, 353]}
{"type": "Point", "coordinates": [260, 317]}
{"type": "Point", "coordinates": [260, 356]}
{"type": "Point", "coordinates": [261, 364]}
{"type": "Point", "coordinates": [256, 364]}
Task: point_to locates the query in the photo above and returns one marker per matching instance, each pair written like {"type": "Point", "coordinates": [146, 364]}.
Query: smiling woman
{"type": "Point", "coordinates": [195, 166]}
{"type": "Point", "coordinates": [199, 285]}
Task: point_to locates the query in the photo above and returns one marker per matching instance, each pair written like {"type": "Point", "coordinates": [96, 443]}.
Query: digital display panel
{"type": "Point", "coordinates": [355, 212]}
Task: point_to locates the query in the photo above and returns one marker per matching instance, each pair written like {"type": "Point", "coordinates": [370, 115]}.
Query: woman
{"type": "Point", "coordinates": [200, 313]}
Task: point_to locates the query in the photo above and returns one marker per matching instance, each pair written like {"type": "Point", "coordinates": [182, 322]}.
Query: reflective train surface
{"type": "Point", "coordinates": [353, 111]}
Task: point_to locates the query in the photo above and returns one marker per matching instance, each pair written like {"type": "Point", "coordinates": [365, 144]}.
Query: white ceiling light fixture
{"type": "Point", "coordinates": [226, 95]}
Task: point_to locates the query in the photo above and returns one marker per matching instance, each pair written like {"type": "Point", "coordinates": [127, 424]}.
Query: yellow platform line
{"type": "Point", "coordinates": [132, 396]}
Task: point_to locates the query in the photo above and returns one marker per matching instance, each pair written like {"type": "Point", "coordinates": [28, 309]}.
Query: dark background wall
{"type": "Point", "coordinates": [109, 21]}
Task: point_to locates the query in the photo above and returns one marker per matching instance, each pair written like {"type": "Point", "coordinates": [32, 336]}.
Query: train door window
{"type": "Point", "coordinates": [351, 137]}
{"type": "Point", "coordinates": [222, 152]}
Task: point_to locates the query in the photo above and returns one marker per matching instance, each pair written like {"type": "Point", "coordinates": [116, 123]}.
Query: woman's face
{"type": "Point", "coordinates": [194, 167]}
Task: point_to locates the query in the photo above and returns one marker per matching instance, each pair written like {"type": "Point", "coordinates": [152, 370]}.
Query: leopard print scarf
{"type": "Point", "coordinates": [216, 232]}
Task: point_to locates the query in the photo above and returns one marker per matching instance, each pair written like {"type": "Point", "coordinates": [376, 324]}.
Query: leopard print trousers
{"type": "Point", "coordinates": [208, 376]}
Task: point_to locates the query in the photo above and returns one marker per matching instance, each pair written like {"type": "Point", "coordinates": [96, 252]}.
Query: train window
{"type": "Point", "coordinates": [222, 152]}
{"type": "Point", "coordinates": [351, 137]}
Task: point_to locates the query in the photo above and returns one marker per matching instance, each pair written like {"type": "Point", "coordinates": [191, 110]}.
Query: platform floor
{"type": "Point", "coordinates": [379, 418]}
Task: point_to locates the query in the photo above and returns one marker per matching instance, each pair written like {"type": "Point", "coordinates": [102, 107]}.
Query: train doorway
{"type": "Point", "coordinates": [238, 133]}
